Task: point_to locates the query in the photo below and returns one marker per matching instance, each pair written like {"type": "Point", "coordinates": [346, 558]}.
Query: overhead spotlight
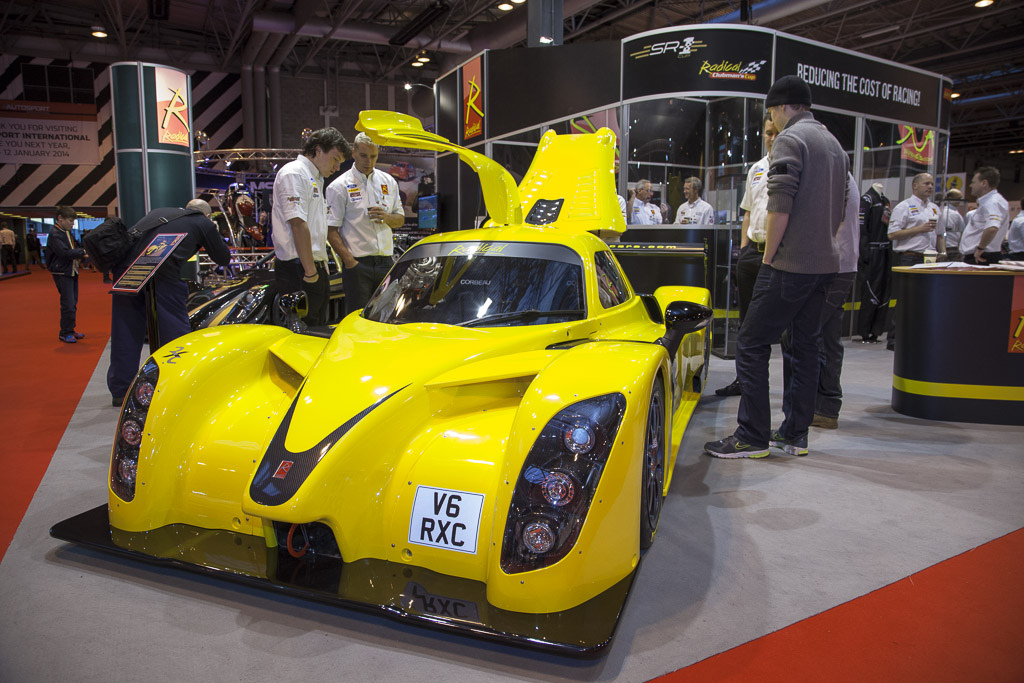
{"type": "Point", "coordinates": [407, 86]}
{"type": "Point", "coordinates": [546, 40]}
{"type": "Point", "coordinates": [505, 7]}
{"type": "Point", "coordinates": [955, 95]}
{"type": "Point", "coordinates": [423, 58]}
{"type": "Point", "coordinates": [99, 32]}
{"type": "Point", "coordinates": [983, 3]}
{"type": "Point", "coordinates": [518, 2]}
{"type": "Point", "coordinates": [417, 64]}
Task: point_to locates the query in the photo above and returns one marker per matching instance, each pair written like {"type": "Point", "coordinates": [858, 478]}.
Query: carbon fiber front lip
{"type": "Point", "coordinates": [405, 593]}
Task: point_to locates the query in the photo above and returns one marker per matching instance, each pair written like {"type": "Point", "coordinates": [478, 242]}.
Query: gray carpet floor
{"type": "Point", "coordinates": [744, 548]}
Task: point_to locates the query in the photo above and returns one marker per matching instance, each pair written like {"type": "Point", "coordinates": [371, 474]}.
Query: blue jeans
{"type": "Point", "coordinates": [830, 349]}
{"type": "Point", "coordinates": [67, 287]}
{"type": "Point", "coordinates": [128, 328]}
{"type": "Point", "coordinates": [781, 301]}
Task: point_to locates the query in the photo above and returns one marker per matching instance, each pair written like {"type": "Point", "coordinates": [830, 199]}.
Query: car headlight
{"type": "Point", "coordinates": [558, 482]}
{"type": "Point", "coordinates": [124, 461]}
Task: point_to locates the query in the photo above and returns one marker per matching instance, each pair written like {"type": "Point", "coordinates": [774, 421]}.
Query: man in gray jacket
{"type": "Point", "coordinates": [807, 181]}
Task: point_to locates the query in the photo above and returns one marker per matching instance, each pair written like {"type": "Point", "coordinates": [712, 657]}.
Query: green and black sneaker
{"type": "Point", "coordinates": [790, 446]}
{"type": "Point", "coordinates": [731, 447]}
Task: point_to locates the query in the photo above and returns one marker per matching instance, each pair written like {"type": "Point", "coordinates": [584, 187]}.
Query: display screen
{"type": "Point", "coordinates": [427, 212]}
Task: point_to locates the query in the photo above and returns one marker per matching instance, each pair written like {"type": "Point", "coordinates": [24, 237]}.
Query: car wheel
{"type": "Point", "coordinates": [653, 480]}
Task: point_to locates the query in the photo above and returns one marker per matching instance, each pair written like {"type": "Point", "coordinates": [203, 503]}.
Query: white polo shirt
{"type": "Point", "coordinates": [697, 212]}
{"type": "Point", "coordinates": [645, 213]}
{"type": "Point", "coordinates": [298, 193]}
{"type": "Point", "coordinates": [1015, 236]}
{"type": "Point", "coordinates": [911, 213]}
{"type": "Point", "coordinates": [755, 200]}
{"type": "Point", "coordinates": [349, 199]}
{"type": "Point", "coordinates": [992, 212]}
{"type": "Point", "coordinates": [951, 224]}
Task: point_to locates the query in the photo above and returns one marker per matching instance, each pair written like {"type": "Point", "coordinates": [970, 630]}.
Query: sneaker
{"type": "Point", "coordinates": [730, 389]}
{"type": "Point", "coordinates": [67, 338]}
{"type": "Point", "coordinates": [789, 446]}
{"type": "Point", "coordinates": [731, 447]}
{"type": "Point", "coordinates": [825, 422]}
{"type": "Point", "coordinates": [78, 335]}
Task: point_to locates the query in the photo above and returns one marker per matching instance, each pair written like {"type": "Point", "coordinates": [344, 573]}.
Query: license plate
{"type": "Point", "coordinates": [443, 518]}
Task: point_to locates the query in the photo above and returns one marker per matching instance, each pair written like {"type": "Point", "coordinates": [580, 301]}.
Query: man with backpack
{"type": "Point", "coordinates": [128, 311]}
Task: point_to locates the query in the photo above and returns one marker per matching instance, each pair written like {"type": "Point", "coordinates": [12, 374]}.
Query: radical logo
{"type": "Point", "coordinates": [732, 70]}
{"type": "Point", "coordinates": [679, 48]}
{"type": "Point", "coordinates": [172, 107]}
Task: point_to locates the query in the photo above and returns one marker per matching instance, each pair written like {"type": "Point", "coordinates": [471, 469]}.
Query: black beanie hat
{"type": "Point", "coordinates": [789, 90]}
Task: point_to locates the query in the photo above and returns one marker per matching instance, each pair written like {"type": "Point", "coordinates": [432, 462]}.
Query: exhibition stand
{"type": "Point", "coordinates": [960, 352]}
{"type": "Point", "coordinates": [687, 101]}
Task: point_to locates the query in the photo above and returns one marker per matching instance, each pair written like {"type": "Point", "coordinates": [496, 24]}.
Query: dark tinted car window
{"type": "Point", "coordinates": [611, 288]}
{"type": "Point", "coordinates": [482, 284]}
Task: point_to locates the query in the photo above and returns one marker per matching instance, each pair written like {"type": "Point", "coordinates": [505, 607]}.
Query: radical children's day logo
{"type": "Point", "coordinates": [172, 108]}
{"type": "Point", "coordinates": [744, 71]}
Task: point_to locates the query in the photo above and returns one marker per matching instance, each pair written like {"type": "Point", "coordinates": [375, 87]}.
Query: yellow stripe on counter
{"type": "Point", "coordinates": [971, 391]}
{"type": "Point", "coordinates": [721, 313]}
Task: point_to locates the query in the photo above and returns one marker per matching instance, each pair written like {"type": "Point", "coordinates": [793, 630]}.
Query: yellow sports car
{"type": "Point", "coordinates": [485, 447]}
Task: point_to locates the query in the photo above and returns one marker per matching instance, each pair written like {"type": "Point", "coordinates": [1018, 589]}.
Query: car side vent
{"type": "Point", "coordinates": [544, 211]}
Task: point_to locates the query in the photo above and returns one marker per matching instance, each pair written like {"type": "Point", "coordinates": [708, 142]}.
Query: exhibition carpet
{"type": "Point", "coordinates": [959, 620]}
{"type": "Point", "coordinates": [42, 379]}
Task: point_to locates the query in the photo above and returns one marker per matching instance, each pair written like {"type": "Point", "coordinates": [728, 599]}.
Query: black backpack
{"type": "Point", "coordinates": [112, 241]}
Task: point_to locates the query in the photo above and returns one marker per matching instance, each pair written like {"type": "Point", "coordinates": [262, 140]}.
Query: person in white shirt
{"type": "Point", "coordinates": [986, 228]}
{"type": "Point", "coordinates": [299, 220]}
{"type": "Point", "coordinates": [694, 209]}
{"type": "Point", "coordinates": [639, 207]}
{"type": "Point", "coordinates": [752, 233]}
{"type": "Point", "coordinates": [1015, 238]}
{"type": "Point", "coordinates": [912, 230]}
{"type": "Point", "coordinates": [363, 205]}
{"type": "Point", "coordinates": [951, 224]}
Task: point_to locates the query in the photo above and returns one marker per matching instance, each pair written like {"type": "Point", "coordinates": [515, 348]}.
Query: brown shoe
{"type": "Point", "coordinates": [825, 422]}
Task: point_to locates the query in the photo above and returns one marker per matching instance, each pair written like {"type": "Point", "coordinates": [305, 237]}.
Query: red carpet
{"type": "Point", "coordinates": [960, 620]}
{"type": "Point", "coordinates": [42, 380]}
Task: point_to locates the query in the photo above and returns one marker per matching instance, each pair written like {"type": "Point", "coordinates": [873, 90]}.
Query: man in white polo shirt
{"type": "Point", "coordinates": [639, 207]}
{"type": "Point", "coordinates": [363, 205]}
{"type": "Point", "coordinates": [694, 210]}
{"type": "Point", "coordinates": [982, 241]}
{"type": "Point", "coordinates": [299, 220]}
{"type": "Point", "coordinates": [912, 232]}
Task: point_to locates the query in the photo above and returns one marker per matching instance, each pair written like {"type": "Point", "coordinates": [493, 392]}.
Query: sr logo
{"type": "Point", "coordinates": [679, 47]}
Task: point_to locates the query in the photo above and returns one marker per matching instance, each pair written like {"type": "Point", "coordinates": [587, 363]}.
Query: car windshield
{"type": "Point", "coordinates": [482, 284]}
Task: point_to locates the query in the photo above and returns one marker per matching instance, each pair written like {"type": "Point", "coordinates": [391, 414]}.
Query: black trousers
{"type": "Point", "coordinates": [9, 258]}
{"type": "Point", "coordinates": [875, 289]}
{"type": "Point", "coordinates": [989, 256]}
{"type": "Point", "coordinates": [900, 258]}
{"type": "Point", "coordinates": [318, 294]}
{"type": "Point", "coordinates": [782, 301]}
{"type": "Point", "coordinates": [360, 282]}
{"type": "Point", "coordinates": [747, 267]}
{"type": "Point", "coordinates": [67, 287]}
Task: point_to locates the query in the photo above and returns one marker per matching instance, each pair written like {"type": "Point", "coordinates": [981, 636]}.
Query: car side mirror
{"type": "Point", "coordinates": [682, 318]}
{"type": "Point", "coordinates": [290, 309]}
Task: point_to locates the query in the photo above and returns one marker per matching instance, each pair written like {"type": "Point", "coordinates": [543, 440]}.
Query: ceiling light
{"type": "Point", "coordinates": [99, 32]}
{"type": "Point", "coordinates": [417, 63]}
{"type": "Point", "coordinates": [423, 58]}
{"type": "Point", "coordinates": [983, 3]}
{"type": "Point", "coordinates": [955, 95]}
{"type": "Point", "coordinates": [518, 2]}
{"type": "Point", "coordinates": [505, 7]}
{"type": "Point", "coordinates": [408, 86]}
{"type": "Point", "coordinates": [1017, 151]}
{"type": "Point", "coordinates": [546, 40]}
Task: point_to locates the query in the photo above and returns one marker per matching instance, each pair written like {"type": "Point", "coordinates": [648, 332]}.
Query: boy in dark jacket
{"type": "Point", "coordinates": [62, 256]}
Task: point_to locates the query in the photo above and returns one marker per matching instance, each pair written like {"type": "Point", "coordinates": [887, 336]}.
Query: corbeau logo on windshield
{"type": "Point", "coordinates": [679, 48]}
